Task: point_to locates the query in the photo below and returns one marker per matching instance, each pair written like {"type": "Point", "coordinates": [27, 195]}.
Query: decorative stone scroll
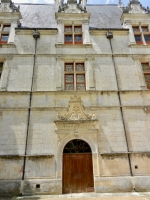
{"type": "Point", "coordinates": [8, 6]}
{"type": "Point", "coordinates": [76, 118]}
{"type": "Point", "coordinates": [136, 8]}
{"type": "Point", "coordinates": [76, 111]}
{"type": "Point", "coordinates": [72, 7]}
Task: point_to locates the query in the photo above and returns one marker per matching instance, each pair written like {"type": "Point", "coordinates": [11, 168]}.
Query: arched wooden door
{"type": "Point", "coordinates": [77, 167]}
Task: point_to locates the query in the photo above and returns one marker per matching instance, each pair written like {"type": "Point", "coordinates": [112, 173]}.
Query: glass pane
{"type": "Point", "coordinates": [135, 29]}
{"type": "Point", "coordinates": [68, 67]}
{"type": "Point", "coordinates": [80, 78]}
{"type": "Point", "coordinates": [79, 67]}
{"type": "Point", "coordinates": [145, 66]}
{"type": "Point", "coordinates": [77, 29]}
{"type": "Point", "coordinates": [78, 38]}
{"type": "Point", "coordinates": [68, 28]}
{"type": "Point", "coordinates": [68, 38]}
{"type": "Point", "coordinates": [69, 78]}
{"type": "Point", "coordinates": [80, 87]}
{"type": "Point", "coordinates": [145, 28]}
{"type": "Point", "coordinates": [6, 28]}
{"type": "Point", "coordinates": [4, 38]}
{"type": "Point", "coordinates": [138, 38]}
{"type": "Point", "coordinates": [147, 77]}
{"type": "Point", "coordinates": [69, 86]}
{"type": "Point", "coordinates": [148, 83]}
{"type": "Point", "coordinates": [147, 38]}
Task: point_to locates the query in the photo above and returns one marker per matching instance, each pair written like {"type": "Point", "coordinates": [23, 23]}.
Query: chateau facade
{"type": "Point", "coordinates": [74, 98]}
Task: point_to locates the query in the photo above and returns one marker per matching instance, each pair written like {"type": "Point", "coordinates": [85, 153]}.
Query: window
{"type": "Point", "coordinates": [74, 76]}
{"type": "Point", "coordinates": [4, 33]}
{"type": "Point", "coordinates": [73, 34]}
{"type": "Point", "coordinates": [146, 71]}
{"type": "Point", "coordinates": [141, 32]}
{"type": "Point", "coordinates": [138, 39]}
{"type": "Point", "coordinates": [1, 68]}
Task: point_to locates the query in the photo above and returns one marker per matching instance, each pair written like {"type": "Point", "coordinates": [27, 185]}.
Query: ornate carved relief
{"type": "Point", "coordinates": [135, 7]}
{"type": "Point", "coordinates": [76, 111]}
{"type": "Point", "coordinates": [8, 6]}
{"type": "Point", "coordinates": [72, 7]}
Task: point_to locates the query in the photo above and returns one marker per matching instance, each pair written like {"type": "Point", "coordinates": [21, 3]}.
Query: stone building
{"type": "Point", "coordinates": [74, 98]}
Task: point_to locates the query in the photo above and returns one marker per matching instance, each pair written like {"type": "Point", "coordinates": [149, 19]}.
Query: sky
{"type": "Point", "coordinates": [145, 3]}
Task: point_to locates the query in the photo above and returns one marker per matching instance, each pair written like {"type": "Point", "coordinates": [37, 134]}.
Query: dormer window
{"type": "Point", "coordinates": [73, 34]}
{"type": "Point", "coordinates": [141, 34]}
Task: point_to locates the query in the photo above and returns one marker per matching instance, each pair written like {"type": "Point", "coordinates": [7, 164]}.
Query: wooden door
{"type": "Point", "coordinates": [77, 173]}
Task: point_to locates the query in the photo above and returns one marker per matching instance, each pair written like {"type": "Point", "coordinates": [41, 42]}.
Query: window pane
{"type": "Point", "coordinates": [68, 38]}
{"type": "Point", "coordinates": [79, 67]}
{"type": "Point", "coordinates": [147, 78]}
{"type": "Point", "coordinates": [138, 38]}
{"type": "Point", "coordinates": [4, 38]}
{"type": "Point", "coordinates": [80, 78]}
{"type": "Point", "coordinates": [69, 86]}
{"type": "Point", "coordinates": [77, 29]}
{"type": "Point", "coordinates": [145, 66]}
{"type": "Point", "coordinates": [68, 28]}
{"type": "Point", "coordinates": [145, 28]}
{"type": "Point", "coordinates": [135, 29]}
{"type": "Point", "coordinates": [147, 38]}
{"type": "Point", "coordinates": [69, 78]}
{"type": "Point", "coordinates": [6, 28]}
{"type": "Point", "coordinates": [78, 38]}
{"type": "Point", "coordinates": [80, 87]}
{"type": "Point", "coordinates": [68, 67]}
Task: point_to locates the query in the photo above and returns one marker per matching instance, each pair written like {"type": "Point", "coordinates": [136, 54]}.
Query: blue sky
{"type": "Point", "coordinates": [125, 2]}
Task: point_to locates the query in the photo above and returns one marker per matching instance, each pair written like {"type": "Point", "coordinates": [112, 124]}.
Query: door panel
{"type": "Point", "coordinates": [77, 173]}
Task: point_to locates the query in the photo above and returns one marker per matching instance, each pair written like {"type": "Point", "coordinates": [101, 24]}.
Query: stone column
{"type": "Point", "coordinates": [5, 74]}
{"type": "Point", "coordinates": [140, 72]}
{"type": "Point", "coordinates": [86, 34]}
{"type": "Point", "coordinates": [59, 73]}
{"type": "Point", "coordinates": [60, 38]}
{"type": "Point", "coordinates": [90, 83]}
{"type": "Point", "coordinates": [11, 38]}
{"type": "Point", "coordinates": [131, 34]}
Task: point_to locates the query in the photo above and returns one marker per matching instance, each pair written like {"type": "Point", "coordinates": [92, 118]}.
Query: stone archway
{"type": "Point", "coordinates": [77, 167]}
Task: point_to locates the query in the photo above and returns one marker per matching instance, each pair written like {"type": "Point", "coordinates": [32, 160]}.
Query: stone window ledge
{"type": "Point", "coordinates": [89, 45]}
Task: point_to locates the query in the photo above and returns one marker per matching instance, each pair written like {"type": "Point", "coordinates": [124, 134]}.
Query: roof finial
{"type": "Point", "coordinates": [120, 4]}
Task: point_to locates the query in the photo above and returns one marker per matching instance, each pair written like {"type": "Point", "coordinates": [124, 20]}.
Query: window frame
{"type": "Point", "coordinates": [4, 32]}
{"type": "Point", "coordinates": [146, 72]}
{"type": "Point", "coordinates": [74, 34]}
{"type": "Point", "coordinates": [75, 73]}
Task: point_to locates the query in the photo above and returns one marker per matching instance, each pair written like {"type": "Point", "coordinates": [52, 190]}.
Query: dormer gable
{"type": "Point", "coordinates": [8, 6]}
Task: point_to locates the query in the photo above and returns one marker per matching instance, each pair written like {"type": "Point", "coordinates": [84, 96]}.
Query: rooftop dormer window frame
{"type": "Point", "coordinates": [73, 34]}
{"type": "Point", "coordinates": [4, 33]}
{"type": "Point", "coordinates": [141, 34]}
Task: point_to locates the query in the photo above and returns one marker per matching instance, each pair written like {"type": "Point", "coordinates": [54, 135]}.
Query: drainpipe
{"type": "Point", "coordinates": [36, 35]}
{"type": "Point", "coordinates": [109, 36]}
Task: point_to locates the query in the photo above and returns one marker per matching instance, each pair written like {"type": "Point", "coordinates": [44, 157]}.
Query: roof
{"type": "Point", "coordinates": [43, 16]}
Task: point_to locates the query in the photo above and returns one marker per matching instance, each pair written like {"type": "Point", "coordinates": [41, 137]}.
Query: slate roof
{"type": "Point", "coordinates": [43, 16]}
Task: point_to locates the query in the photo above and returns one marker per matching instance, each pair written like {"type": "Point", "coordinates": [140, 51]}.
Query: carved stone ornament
{"type": "Point", "coordinates": [147, 109]}
{"type": "Point", "coordinates": [72, 7]}
{"type": "Point", "coordinates": [8, 6]}
{"type": "Point", "coordinates": [136, 8]}
{"type": "Point", "coordinates": [76, 111]}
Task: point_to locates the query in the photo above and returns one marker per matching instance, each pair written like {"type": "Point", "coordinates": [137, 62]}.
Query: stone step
{"type": "Point", "coordinates": [90, 196]}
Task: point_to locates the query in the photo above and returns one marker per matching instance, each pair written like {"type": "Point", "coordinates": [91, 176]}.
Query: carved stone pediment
{"type": "Point", "coordinates": [72, 7]}
{"type": "Point", "coordinates": [8, 6]}
{"type": "Point", "coordinates": [76, 111]}
{"type": "Point", "coordinates": [134, 7]}
{"type": "Point", "coordinates": [76, 117]}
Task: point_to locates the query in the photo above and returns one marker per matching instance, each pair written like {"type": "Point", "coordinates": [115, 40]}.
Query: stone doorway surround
{"type": "Point", "coordinates": [76, 124]}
